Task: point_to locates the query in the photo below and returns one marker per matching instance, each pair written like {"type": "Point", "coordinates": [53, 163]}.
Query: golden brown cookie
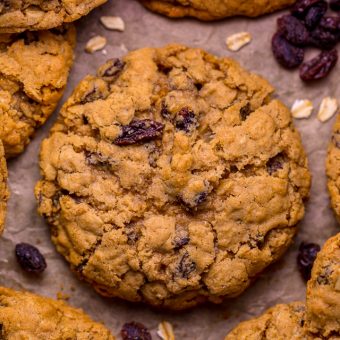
{"type": "Point", "coordinates": [28, 316]}
{"type": "Point", "coordinates": [3, 187]}
{"type": "Point", "coordinates": [319, 318]}
{"type": "Point", "coordinates": [172, 177]}
{"type": "Point", "coordinates": [34, 67]}
{"type": "Point", "coordinates": [215, 9]}
{"type": "Point", "coordinates": [19, 15]}
{"type": "Point", "coordinates": [333, 168]}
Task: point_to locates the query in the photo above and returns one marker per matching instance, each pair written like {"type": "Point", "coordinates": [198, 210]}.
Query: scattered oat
{"type": "Point", "coordinates": [328, 107]}
{"type": "Point", "coordinates": [302, 108]}
{"type": "Point", "coordinates": [113, 23]}
{"type": "Point", "coordinates": [236, 41]}
{"type": "Point", "coordinates": [166, 331]}
{"type": "Point", "coordinates": [104, 51]}
{"type": "Point", "coordinates": [95, 44]}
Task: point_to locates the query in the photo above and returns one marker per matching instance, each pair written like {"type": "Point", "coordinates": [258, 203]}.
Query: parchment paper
{"type": "Point", "coordinates": [280, 283]}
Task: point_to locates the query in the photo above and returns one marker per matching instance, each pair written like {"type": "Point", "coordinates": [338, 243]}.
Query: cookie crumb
{"type": "Point", "coordinates": [113, 23]}
{"type": "Point", "coordinates": [238, 40]}
{"type": "Point", "coordinates": [95, 44]}
{"type": "Point", "coordinates": [328, 107]}
{"type": "Point", "coordinates": [302, 108]}
{"type": "Point", "coordinates": [166, 331]}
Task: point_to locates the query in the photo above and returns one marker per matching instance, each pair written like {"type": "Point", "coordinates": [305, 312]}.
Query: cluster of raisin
{"type": "Point", "coordinates": [308, 26]}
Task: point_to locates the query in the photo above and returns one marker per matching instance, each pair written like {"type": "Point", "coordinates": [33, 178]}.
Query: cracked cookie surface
{"type": "Point", "coordinates": [28, 316]}
{"type": "Point", "coordinates": [172, 178]}
{"type": "Point", "coordinates": [215, 9]}
{"type": "Point", "coordinates": [318, 318]}
{"type": "Point", "coordinates": [3, 187]}
{"type": "Point", "coordinates": [34, 68]}
{"type": "Point", "coordinates": [333, 166]}
{"type": "Point", "coordinates": [21, 15]}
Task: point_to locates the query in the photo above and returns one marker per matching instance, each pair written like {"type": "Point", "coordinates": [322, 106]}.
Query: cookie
{"type": "Point", "coordinates": [28, 316]}
{"type": "Point", "coordinates": [18, 16]}
{"type": "Point", "coordinates": [172, 177]}
{"type": "Point", "coordinates": [34, 67]}
{"type": "Point", "coordinates": [214, 9]}
{"type": "Point", "coordinates": [318, 318]}
{"type": "Point", "coordinates": [3, 187]}
{"type": "Point", "coordinates": [332, 168]}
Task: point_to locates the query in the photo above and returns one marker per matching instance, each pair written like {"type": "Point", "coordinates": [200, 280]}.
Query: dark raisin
{"type": "Point", "coordinates": [334, 5]}
{"type": "Point", "coordinates": [92, 95]}
{"type": "Point", "coordinates": [181, 238]}
{"type": "Point", "coordinates": [323, 39]}
{"type": "Point", "coordinates": [301, 7]}
{"type": "Point", "coordinates": [286, 54]}
{"type": "Point", "coordinates": [293, 30]}
{"type": "Point", "coordinates": [245, 111]}
{"type": "Point", "coordinates": [30, 258]}
{"type": "Point", "coordinates": [165, 113]}
{"type": "Point", "coordinates": [275, 163]}
{"type": "Point", "coordinates": [135, 331]}
{"type": "Point", "coordinates": [186, 120]}
{"type": "Point", "coordinates": [111, 68]}
{"type": "Point", "coordinates": [186, 266]}
{"type": "Point", "coordinates": [198, 86]}
{"type": "Point", "coordinates": [314, 14]}
{"type": "Point", "coordinates": [201, 197]}
{"type": "Point", "coordinates": [139, 131]}
{"type": "Point", "coordinates": [306, 257]}
{"type": "Point", "coordinates": [320, 66]}
{"type": "Point", "coordinates": [331, 23]}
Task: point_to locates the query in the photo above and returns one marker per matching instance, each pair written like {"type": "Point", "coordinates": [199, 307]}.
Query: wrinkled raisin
{"type": "Point", "coordinates": [331, 23]}
{"type": "Point", "coordinates": [111, 68]}
{"type": "Point", "coordinates": [286, 54]}
{"type": "Point", "coordinates": [181, 238]}
{"type": "Point", "coordinates": [135, 331]}
{"type": "Point", "coordinates": [245, 111]}
{"type": "Point", "coordinates": [323, 38]}
{"type": "Point", "coordinates": [92, 95]}
{"type": "Point", "coordinates": [335, 5]}
{"type": "Point", "coordinates": [30, 258]}
{"type": "Point", "coordinates": [185, 120]}
{"type": "Point", "coordinates": [306, 257]}
{"type": "Point", "coordinates": [301, 7]}
{"type": "Point", "coordinates": [275, 163]}
{"type": "Point", "coordinates": [186, 266]}
{"type": "Point", "coordinates": [314, 14]}
{"type": "Point", "coordinates": [165, 113]}
{"type": "Point", "coordinates": [320, 66]}
{"type": "Point", "coordinates": [293, 30]}
{"type": "Point", "coordinates": [139, 131]}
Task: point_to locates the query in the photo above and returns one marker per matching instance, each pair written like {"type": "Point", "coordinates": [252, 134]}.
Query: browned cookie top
{"type": "Point", "coordinates": [215, 9]}
{"type": "Point", "coordinates": [172, 177]}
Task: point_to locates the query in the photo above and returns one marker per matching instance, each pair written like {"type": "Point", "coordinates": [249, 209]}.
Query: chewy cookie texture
{"type": "Point", "coordinates": [34, 67]}
{"type": "Point", "coordinates": [333, 166]}
{"type": "Point", "coordinates": [319, 318]}
{"type": "Point", "coordinates": [171, 177]}
{"type": "Point", "coordinates": [215, 9]}
{"type": "Point", "coordinates": [28, 316]}
{"type": "Point", "coordinates": [3, 187]}
{"type": "Point", "coordinates": [20, 15]}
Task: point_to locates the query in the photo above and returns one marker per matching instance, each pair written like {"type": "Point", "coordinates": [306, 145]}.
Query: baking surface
{"type": "Point", "coordinates": [280, 283]}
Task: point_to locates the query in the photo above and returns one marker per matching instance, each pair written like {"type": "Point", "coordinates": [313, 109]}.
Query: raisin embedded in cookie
{"type": "Point", "coordinates": [34, 67]}
{"type": "Point", "coordinates": [28, 316]}
{"type": "Point", "coordinates": [332, 168]}
{"type": "Point", "coordinates": [215, 9]}
{"type": "Point", "coordinates": [171, 177]}
{"type": "Point", "coordinates": [19, 16]}
{"type": "Point", "coordinates": [3, 187]}
{"type": "Point", "coordinates": [319, 318]}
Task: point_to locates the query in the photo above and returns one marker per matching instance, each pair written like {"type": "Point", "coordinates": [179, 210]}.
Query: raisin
{"type": "Point", "coordinates": [320, 66]}
{"type": "Point", "coordinates": [139, 131]}
{"type": "Point", "coordinates": [334, 5]}
{"type": "Point", "coordinates": [330, 23]}
{"type": "Point", "coordinates": [245, 111]}
{"type": "Point", "coordinates": [323, 38]}
{"type": "Point", "coordinates": [30, 258]}
{"type": "Point", "coordinates": [111, 69]}
{"type": "Point", "coordinates": [293, 30]}
{"type": "Point", "coordinates": [314, 14]}
{"type": "Point", "coordinates": [323, 278]}
{"type": "Point", "coordinates": [135, 331]}
{"type": "Point", "coordinates": [186, 120]}
{"type": "Point", "coordinates": [275, 163]}
{"type": "Point", "coordinates": [302, 6]}
{"type": "Point", "coordinates": [306, 257]}
{"type": "Point", "coordinates": [181, 238]}
{"type": "Point", "coordinates": [186, 266]}
{"type": "Point", "coordinates": [286, 54]}
{"type": "Point", "coordinates": [165, 113]}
